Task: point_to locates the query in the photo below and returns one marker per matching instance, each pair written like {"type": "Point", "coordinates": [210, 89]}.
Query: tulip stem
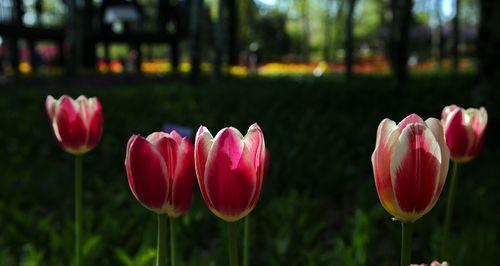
{"type": "Point", "coordinates": [161, 245]}
{"type": "Point", "coordinates": [78, 209]}
{"type": "Point", "coordinates": [245, 241]}
{"type": "Point", "coordinates": [449, 210]}
{"type": "Point", "coordinates": [406, 239]}
{"type": "Point", "coordinates": [172, 242]}
{"type": "Point", "coordinates": [232, 235]}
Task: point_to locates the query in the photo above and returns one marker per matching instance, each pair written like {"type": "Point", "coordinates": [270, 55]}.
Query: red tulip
{"type": "Point", "coordinates": [230, 169]}
{"type": "Point", "coordinates": [410, 163]}
{"type": "Point", "coordinates": [464, 131]}
{"type": "Point", "coordinates": [160, 172]}
{"type": "Point", "coordinates": [434, 263]}
{"type": "Point", "coordinates": [76, 124]}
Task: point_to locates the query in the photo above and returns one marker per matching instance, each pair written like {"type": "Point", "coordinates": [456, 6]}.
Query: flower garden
{"type": "Point", "coordinates": [314, 202]}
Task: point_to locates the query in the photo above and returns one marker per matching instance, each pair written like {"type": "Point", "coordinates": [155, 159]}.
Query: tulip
{"type": "Point", "coordinates": [76, 124]}
{"type": "Point", "coordinates": [410, 163]}
{"type": "Point", "coordinates": [464, 131]}
{"type": "Point", "coordinates": [77, 127]}
{"type": "Point", "coordinates": [160, 171]}
{"type": "Point", "coordinates": [230, 169]}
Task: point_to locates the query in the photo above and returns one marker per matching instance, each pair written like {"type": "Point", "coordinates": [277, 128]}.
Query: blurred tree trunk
{"type": "Point", "coordinates": [437, 35]}
{"type": "Point", "coordinates": [306, 29]}
{"type": "Point", "coordinates": [339, 26]}
{"type": "Point", "coordinates": [487, 92]}
{"type": "Point", "coordinates": [73, 38]}
{"type": "Point", "coordinates": [89, 55]}
{"type": "Point", "coordinates": [219, 41]}
{"type": "Point", "coordinates": [168, 12]}
{"type": "Point", "coordinates": [17, 17]}
{"type": "Point", "coordinates": [456, 36]}
{"type": "Point", "coordinates": [349, 39]}
{"type": "Point", "coordinates": [195, 38]}
{"type": "Point", "coordinates": [232, 30]}
{"type": "Point", "coordinates": [402, 18]}
{"type": "Point", "coordinates": [327, 25]}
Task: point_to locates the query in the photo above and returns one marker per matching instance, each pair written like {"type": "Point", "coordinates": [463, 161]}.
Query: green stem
{"type": "Point", "coordinates": [245, 241]}
{"type": "Point", "coordinates": [161, 245]}
{"type": "Point", "coordinates": [172, 242]}
{"type": "Point", "coordinates": [78, 209]}
{"type": "Point", "coordinates": [449, 210]}
{"type": "Point", "coordinates": [406, 238]}
{"type": "Point", "coordinates": [232, 235]}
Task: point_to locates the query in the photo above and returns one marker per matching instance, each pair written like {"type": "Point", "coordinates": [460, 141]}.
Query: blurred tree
{"type": "Point", "coordinates": [349, 39]}
{"type": "Point", "coordinates": [17, 18]}
{"type": "Point", "coordinates": [487, 92]}
{"type": "Point", "coordinates": [247, 23]}
{"type": "Point", "coordinates": [219, 40]}
{"type": "Point", "coordinates": [303, 8]}
{"type": "Point", "coordinates": [401, 20]}
{"type": "Point", "coordinates": [456, 36]}
{"type": "Point", "coordinates": [437, 33]}
{"type": "Point", "coordinates": [89, 47]}
{"type": "Point", "coordinates": [327, 27]}
{"type": "Point", "coordinates": [272, 37]}
{"type": "Point", "coordinates": [195, 15]}
{"type": "Point", "coordinates": [232, 31]}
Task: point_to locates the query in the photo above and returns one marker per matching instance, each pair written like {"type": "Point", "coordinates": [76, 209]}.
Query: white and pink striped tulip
{"type": "Point", "coordinates": [160, 170]}
{"type": "Point", "coordinates": [410, 163]}
{"type": "Point", "coordinates": [76, 124]}
{"type": "Point", "coordinates": [464, 131]}
{"type": "Point", "coordinates": [230, 170]}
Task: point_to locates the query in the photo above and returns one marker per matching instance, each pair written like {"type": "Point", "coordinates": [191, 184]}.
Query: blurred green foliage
{"type": "Point", "coordinates": [318, 207]}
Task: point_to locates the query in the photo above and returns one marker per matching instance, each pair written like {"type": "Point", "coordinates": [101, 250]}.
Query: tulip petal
{"type": "Point", "coordinates": [387, 135]}
{"type": "Point", "coordinates": [169, 151]}
{"type": "Point", "coordinates": [413, 118]}
{"type": "Point", "coordinates": [176, 137]}
{"type": "Point", "coordinates": [447, 111]}
{"type": "Point", "coordinates": [415, 165]}
{"type": "Point", "coordinates": [95, 122]}
{"type": "Point", "coordinates": [203, 144]}
{"type": "Point", "coordinates": [231, 177]}
{"type": "Point", "coordinates": [69, 126]}
{"type": "Point", "coordinates": [437, 130]}
{"type": "Point", "coordinates": [182, 188]}
{"type": "Point", "coordinates": [255, 150]}
{"type": "Point", "coordinates": [477, 123]}
{"type": "Point", "coordinates": [457, 136]}
{"type": "Point", "coordinates": [50, 106]}
{"type": "Point", "coordinates": [147, 174]}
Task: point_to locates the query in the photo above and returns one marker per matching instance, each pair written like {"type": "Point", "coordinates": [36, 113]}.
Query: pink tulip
{"type": "Point", "coordinates": [76, 124]}
{"type": "Point", "coordinates": [230, 169]}
{"type": "Point", "coordinates": [464, 131]}
{"type": "Point", "coordinates": [160, 172]}
{"type": "Point", "coordinates": [410, 163]}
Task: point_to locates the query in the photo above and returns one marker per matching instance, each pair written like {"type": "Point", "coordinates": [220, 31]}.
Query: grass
{"type": "Point", "coordinates": [318, 207]}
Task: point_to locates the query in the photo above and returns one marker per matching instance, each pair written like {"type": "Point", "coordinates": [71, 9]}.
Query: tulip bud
{"type": "Point", "coordinates": [160, 172]}
{"type": "Point", "coordinates": [230, 169]}
{"type": "Point", "coordinates": [464, 131]}
{"type": "Point", "coordinates": [410, 163]}
{"type": "Point", "coordinates": [76, 124]}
